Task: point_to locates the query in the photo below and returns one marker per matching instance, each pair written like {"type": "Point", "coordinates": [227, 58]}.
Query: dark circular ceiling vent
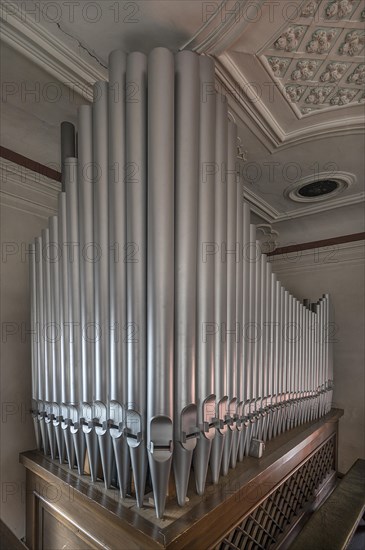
{"type": "Point", "coordinates": [318, 188]}
{"type": "Point", "coordinates": [326, 186]}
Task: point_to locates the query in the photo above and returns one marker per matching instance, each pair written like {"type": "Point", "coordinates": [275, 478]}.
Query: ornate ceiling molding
{"type": "Point", "coordinates": [323, 45]}
{"type": "Point", "coordinates": [222, 23]}
{"type": "Point", "coordinates": [253, 112]}
{"type": "Point", "coordinates": [45, 50]}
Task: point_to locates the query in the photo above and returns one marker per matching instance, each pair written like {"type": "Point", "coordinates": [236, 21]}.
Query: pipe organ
{"type": "Point", "coordinates": [165, 341]}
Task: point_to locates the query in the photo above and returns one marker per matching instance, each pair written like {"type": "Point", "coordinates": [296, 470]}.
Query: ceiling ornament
{"type": "Point", "coordinates": [290, 39]}
{"type": "Point", "coordinates": [324, 55]}
{"type": "Point", "coordinates": [305, 70]}
{"type": "Point", "coordinates": [317, 96]}
{"type": "Point", "coordinates": [241, 153]}
{"type": "Point", "coordinates": [310, 8]}
{"type": "Point", "coordinates": [353, 44]}
{"type": "Point", "coordinates": [306, 110]}
{"type": "Point", "coordinates": [362, 15]}
{"type": "Point", "coordinates": [358, 76]}
{"type": "Point", "coordinates": [343, 96]}
{"type": "Point", "coordinates": [294, 93]}
{"type": "Point", "coordinates": [278, 65]}
{"type": "Point", "coordinates": [321, 41]}
{"type": "Point", "coordinates": [339, 8]}
{"type": "Point", "coordinates": [334, 72]}
{"type": "Point", "coordinates": [267, 237]}
{"type": "Point", "coordinates": [343, 179]}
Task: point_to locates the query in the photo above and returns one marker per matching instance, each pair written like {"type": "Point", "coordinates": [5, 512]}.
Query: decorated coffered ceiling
{"type": "Point", "coordinates": [318, 59]}
{"type": "Point", "coordinates": [293, 71]}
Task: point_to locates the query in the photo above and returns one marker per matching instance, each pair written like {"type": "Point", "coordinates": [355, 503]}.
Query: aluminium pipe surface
{"type": "Point", "coordinates": [238, 342]}
{"type": "Point", "coordinates": [47, 318]}
{"type": "Point", "coordinates": [160, 270]}
{"type": "Point", "coordinates": [101, 241]}
{"type": "Point", "coordinates": [243, 391]}
{"type": "Point", "coordinates": [205, 397]}
{"type": "Point", "coordinates": [286, 341]}
{"type": "Point", "coordinates": [119, 177]}
{"type": "Point", "coordinates": [34, 331]}
{"type": "Point", "coordinates": [258, 331]}
{"type": "Point", "coordinates": [136, 215]}
{"type": "Point", "coordinates": [282, 373]}
{"type": "Point", "coordinates": [290, 338]}
{"type": "Point", "coordinates": [186, 228]}
{"type": "Point", "coordinates": [308, 347]}
{"type": "Point", "coordinates": [232, 255]}
{"type": "Point", "coordinates": [267, 360]}
{"type": "Point", "coordinates": [268, 331]}
{"type": "Point", "coordinates": [64, 300]}
{"type": "Point", "coordinates": [296, 380]}
{"type": "Point", "coordinates": [325, 343]}
{"type": "Point", "coordinates": [33, 321]}
{"type": "Point", "coordinates": [74, 320]}
{"type": "Point", "coordinates": [331, 334]}
{"type": "Point", "coordinates": [135, 379]}
{"type": "Point", "coordinates": [205, 267]}
{"type": "Point", "coordinates": [220, 281]}
{"type": "Point", "coordinates": [55, 259]}
{"type": "Point", "coordinates": [73, 264]}
{"type": "Point", "coordinates": [220, 266]}
{"type": "Point", "coordinates": [252, 259]}
{"type": "Point", "coordinates": [251, 328]}
{"type": "Point", "coordinates": [273, 353]}
{"type": "Point", "coordinates": [101, 276]}
{"type": "Point", "coordinates": [261, 377]}
{"type": "Point", "coordinates": [312, 352]}
{"type": "Point", "coordinates": [41, 343]}
{"type": "Point", "coordinates": [239, 295]}
{"type": "Point", "coordinates": [186, 223]}
{"type": "Point", "coordinates": [244, 332]}
{"type": "Point", "coordinates": [48, 341]}
{"type": "Point", "coordinates": [320, 343]}
{"type": "Point", "coordinates": [88, 255]}
{"type": "Point", "coordinates": [278, 347]}
{"type": "Point", "coordinates": [87, 252]}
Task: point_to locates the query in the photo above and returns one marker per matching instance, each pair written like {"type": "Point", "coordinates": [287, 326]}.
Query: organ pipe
{"type": "Point", "coordinates": [162, 339]}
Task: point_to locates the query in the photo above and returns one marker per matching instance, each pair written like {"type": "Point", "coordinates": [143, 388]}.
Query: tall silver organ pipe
{"type": "Point", "coordinates": [220, 284]}
{"type": "Point", "coordinates": [162, 339]}
{"type": "Point", "coordinates": [160, 270]}
{"type": "Point", "coordinates": [230, 330]}
{"type": "Point", "coordinates": [136, 203]}
{"type": "Point", "coordinates": [204, 379]}
{"type": "Point", "coordinates": [186, 228]}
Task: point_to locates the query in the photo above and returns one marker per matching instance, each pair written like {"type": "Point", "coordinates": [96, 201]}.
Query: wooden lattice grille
{"type": "Point", "coordinates": [268, 522]}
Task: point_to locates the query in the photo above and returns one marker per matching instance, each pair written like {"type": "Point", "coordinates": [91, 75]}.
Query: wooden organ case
{"type": "Point", "coordinates": [260, 504]}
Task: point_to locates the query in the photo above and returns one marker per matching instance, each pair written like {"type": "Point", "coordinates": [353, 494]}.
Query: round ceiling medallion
{"type": "Point", "coordinates": [320, 188]}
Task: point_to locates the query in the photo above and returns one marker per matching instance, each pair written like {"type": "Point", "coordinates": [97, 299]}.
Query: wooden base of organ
{"type": "Point", "coordinates": [263, 501]}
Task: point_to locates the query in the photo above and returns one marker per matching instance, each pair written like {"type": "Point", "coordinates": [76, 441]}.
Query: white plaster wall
{"type": "Point", "coordinates": [339, 271]}
{"type": "Point", "coordinates": [21, 220]}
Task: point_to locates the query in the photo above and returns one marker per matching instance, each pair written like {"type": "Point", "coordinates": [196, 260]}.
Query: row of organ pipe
{"type": "Point", "coordinates": [164, 339]}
